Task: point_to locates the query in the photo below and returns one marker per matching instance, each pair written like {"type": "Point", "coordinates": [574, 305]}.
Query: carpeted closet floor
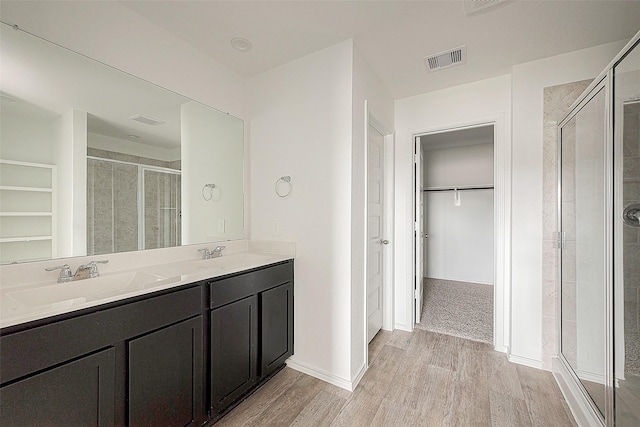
{"type": "Point", "coordinates": [460, 309]}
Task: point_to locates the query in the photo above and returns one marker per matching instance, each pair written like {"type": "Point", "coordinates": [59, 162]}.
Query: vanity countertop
{"type": "Point", "coordinates": [29, 302]}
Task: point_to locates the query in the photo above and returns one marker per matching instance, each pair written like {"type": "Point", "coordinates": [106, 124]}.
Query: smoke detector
{"type": "Point", "coordinates": [446, 59]}
{"type": "Point", "coordinates": [473, 6]}
{"type": "Point", "coordinates": [146, 120]}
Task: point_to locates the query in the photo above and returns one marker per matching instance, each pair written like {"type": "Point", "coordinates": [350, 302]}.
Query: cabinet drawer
{"type": "Point", "coordinates": [38, 348]}
{"type": "Point", "coordinates": [233, 288]}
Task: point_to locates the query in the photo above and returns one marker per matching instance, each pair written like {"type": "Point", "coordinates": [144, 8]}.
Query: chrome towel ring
{"type": "Point", "coordinates": [284, 181]}
{"type": "Point", "coordinates": [210, 187]}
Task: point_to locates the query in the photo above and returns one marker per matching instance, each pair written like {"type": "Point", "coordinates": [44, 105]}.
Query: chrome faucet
{"type": "Point", "coordinates": [85, 271]}
{"type": "Point", "coordinates": [65, 273]}
{"type": "Point", "coordinates": [208, 253]}
{"type": "Point", "coordinates": [217, 252]}
{"type": "Point", "coordinates": [88, 271]}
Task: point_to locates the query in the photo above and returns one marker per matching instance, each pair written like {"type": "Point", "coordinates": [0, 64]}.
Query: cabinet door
{"type": "Point", "coordinates": [276, 307]}
{"type": "Point", "coordinates": [166, 376]}
{"type": "Point", "coordinates": [78, 393]}
{"type": "Point", "coordinates": [234, 357]}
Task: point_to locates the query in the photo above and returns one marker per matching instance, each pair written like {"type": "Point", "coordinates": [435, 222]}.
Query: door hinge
{"type": "Point", "coordinates": [416, 294]}
{"type": "Point", "coordinates": [561, 240]}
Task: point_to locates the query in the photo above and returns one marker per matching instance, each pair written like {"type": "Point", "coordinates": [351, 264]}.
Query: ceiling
{"type": "Point", "coordinates": [394, 36]}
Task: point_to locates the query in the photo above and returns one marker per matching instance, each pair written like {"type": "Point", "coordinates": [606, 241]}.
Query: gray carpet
{"type": "Point", "coordinates": [460, 309]}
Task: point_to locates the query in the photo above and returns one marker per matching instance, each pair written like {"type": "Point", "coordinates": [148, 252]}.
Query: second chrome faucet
{"type": "Point", "coordinates": [208, 253]}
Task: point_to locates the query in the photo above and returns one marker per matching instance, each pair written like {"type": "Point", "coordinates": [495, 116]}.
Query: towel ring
{"type": "Point", "coordinates": [210, 187]}
{"type": "Point", "coordinates": [289, 188]}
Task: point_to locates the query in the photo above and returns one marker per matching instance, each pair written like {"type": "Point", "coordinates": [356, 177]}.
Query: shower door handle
{"type": "Point", "coordinates": [631, 215]}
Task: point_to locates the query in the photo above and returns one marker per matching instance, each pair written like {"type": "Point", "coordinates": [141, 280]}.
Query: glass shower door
{"type": "Point", "coordinates": [627, 239]}
{"type": "Point", "coordinates": [583, 260]}
{"type": "Point", "coordinates": [160, 219]}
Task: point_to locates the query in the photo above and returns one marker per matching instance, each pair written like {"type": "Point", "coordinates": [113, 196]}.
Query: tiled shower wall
{"type": "Point", "coordinates": [112, 205]}
{"type": "Point", "coordinates": [631, 194]}
{"type": "Point", "coordinates": [557, 100]}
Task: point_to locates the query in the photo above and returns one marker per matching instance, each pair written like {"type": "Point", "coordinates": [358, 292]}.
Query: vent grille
{"type": "Point", "coordinates": [449, 58]}
{"type": "Point", "coordinates": [473, 6]}
{"type": "Point", "coordinates": [146, 120]}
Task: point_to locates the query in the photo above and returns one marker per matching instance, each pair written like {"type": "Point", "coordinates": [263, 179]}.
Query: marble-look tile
{"type": "Point", "coordinates": [631, 168]}
{"type": "Point", "coordinates": [631, 192]}
{"type": "Point", "coordinates": [549, 341]}
{"type": "Point", "coordinates": [631, 262]}
{"type": "Point", "coordinates": [569, 302]}
{"type": "Point", "coordinates": [629, 234]}
{"type": "Point", "coordinates": [631, 295]}
{"type": "Point", "coordinates": [549, 220]}
{"type": "Point", "coordinates": [549, 259]}
{"type": "Point", "coordinates": [550, 294]}
{"type": "Point", "coordinates": [630, 135]}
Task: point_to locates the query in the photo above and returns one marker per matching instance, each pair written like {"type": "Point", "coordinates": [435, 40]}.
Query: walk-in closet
{"type": "Point", "coordinates": [458, 233]}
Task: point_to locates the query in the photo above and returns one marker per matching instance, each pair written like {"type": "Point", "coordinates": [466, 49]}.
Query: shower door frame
{"type": "Point", "coordinates": [142, 168]}
{"type": "Point", "coordinates": [578, 399]}
{"type": "Point", "coordinates": [603, 83]}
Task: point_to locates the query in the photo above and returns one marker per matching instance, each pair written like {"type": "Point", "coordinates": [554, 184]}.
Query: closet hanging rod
{"type": "Point", "coordinates": [461, 188]}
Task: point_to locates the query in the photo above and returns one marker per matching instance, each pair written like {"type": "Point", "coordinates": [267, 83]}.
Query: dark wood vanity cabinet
{"type": "Point", "coordinates": [76, 393]}
{"type": "Point", "coordinates": [251, 334]}
{"type": "Point", "coordinates": [178, 357]}
{"type": "Point", "coordinates": [138, 363]}
{"type": "Point", "coordinates": [165, 385]}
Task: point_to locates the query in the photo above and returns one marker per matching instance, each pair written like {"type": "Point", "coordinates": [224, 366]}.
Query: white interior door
{"type": "Point", "coordinates": [419, 230]}
{"type": "Point", "coordinates": [375, 237]}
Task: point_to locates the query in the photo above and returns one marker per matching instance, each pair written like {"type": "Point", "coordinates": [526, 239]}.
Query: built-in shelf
{"type": "Point", "coordinates": [26, 213]}
{"type": "Point", "coordinates": [35, 189]}
{"type": "Point", "coordinates": [29, 199]}
{"type": "Point", "coordinates": [24, 239]}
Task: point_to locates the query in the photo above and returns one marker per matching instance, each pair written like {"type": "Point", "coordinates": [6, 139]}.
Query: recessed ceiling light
{"type": "Point", "coordinates": [133, 136]}
{"type": "Point", "coordinates": [241, 44]}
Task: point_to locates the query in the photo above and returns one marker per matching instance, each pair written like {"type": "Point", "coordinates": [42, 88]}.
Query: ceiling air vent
{"type": "Point", "coordinates": [146, 120]}
{"type": "Point", "coordinates": [473, 6]}
{"type": "Point", "coordinates": [449, 58]}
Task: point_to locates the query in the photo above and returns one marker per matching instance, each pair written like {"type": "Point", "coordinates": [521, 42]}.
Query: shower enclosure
{"type": "Point", "coordinates": [598, 367]}
{"type": "Point", "coordinates": [131, 206]}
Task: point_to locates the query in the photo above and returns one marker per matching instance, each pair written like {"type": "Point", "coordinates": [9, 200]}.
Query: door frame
{"type": "Point", "coordinates": [501, 222]}
{"type": "Point", "coordinates": [373, 120]}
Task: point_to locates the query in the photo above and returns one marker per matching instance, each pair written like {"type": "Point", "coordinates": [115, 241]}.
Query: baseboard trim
{"type": "Point", "coordinates": [358, 377]}
{"type": "Point", "coordinates": [526, 361]}
{"type": "Point", "coordinates": [324, 375]}
{"type": "Point", "coordinates": [580, 408]}
{"type": "Point", "coordinates": [403, 327]}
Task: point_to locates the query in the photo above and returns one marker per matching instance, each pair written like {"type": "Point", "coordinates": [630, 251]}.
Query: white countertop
{"type": "Point", "coordinates": [34, 301]}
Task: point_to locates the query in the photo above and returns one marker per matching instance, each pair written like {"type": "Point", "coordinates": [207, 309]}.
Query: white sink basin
{"type": "Point", "coordinates": [81, 291]}
{"type": "Point", "coordinates": [228, 262]}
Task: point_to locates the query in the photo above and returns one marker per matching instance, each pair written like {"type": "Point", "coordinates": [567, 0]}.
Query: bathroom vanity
{"type": "Point", "coordinates": [179, 355]}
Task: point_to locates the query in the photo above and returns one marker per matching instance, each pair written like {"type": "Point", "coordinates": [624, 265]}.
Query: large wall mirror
{"type": "Point", "coordinates": [95, 161]}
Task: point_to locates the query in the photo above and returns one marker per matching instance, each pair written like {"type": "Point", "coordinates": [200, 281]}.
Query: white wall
{"type": "Point", "coordinates": [211, 153]}
{"type": "Point", "coordinates": [484, 101]}
{"type": "Point", "coordinates": [301, 126]}
{"type": "Point", "coordinates": [366, 86]}
{"type": "Point", "coordinates": [70, 142]}
{"type": "Point", "coordinates": [460, 243]}
{"type": "Point", "coordinates": [528, 267]}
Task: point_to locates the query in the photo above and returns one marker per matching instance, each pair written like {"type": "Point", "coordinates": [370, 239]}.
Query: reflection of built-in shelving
{"type": "Point", "coordinates": [27, 211]}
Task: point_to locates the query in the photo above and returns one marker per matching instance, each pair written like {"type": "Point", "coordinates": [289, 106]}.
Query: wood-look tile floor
{"type": "Point", "coordinates": [414, 379]}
